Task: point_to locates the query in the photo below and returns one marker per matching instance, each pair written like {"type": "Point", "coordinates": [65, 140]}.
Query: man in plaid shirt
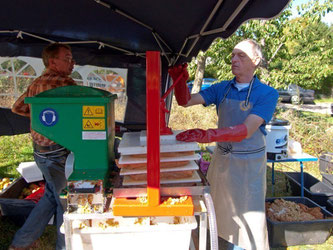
{"type": "Point", "coordinates": [49, 156]}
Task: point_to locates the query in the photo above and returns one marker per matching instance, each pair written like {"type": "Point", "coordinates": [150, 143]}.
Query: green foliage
{"type": "Point", "coordinates": [309, 59]}
{"type": "Point", "coordinates": [297, 51]}
{"type": "Point", "coordinates": [206, 156]}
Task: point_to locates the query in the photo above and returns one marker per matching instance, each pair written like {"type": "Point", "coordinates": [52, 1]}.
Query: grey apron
{"type": "Point", "coordinates": [237, 175]}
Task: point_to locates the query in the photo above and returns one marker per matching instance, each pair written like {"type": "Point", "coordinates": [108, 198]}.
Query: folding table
{"type": "Point", "coordinates": [302, 157]}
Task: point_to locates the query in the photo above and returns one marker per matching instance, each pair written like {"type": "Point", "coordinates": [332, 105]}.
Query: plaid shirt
{"type": "Point", "coordinates": [48, 80]}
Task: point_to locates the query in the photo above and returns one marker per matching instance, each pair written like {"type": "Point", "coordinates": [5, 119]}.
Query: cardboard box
{"type": "Point", "coordinates": [30, 171]}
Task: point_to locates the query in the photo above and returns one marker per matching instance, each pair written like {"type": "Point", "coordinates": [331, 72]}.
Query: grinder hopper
{"type": "Point", "coordinates": [82, 120]}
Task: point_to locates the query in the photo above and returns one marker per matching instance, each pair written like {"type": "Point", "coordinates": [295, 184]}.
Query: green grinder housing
{"type": "Point", "coordinates": [80, 119]}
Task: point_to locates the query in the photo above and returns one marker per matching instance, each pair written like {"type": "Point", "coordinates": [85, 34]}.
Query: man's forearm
{"type": "Point", "coordinates": [195, 99]}
{"type": "Point", "coordinates": [20, 107]}
{"type": "Point", "coordinates": [20, 112]}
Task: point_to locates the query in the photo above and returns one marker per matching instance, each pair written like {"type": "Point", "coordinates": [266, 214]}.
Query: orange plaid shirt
{"type": "Point", "coordinates": [48, 80]}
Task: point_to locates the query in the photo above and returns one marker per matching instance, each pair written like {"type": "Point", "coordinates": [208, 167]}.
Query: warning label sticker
{"type": "Point", "coordinates": [93, 124]}
{"type": "Point", "coordinates": [93, 111]}
{"type": "Point", "coordinates": [96, 135]}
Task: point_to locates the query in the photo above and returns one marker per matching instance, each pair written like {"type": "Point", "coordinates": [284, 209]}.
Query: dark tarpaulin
{"type": "Point", "coordinates": [13, 124]}
{"type": "Point", "coordinates": [87, 20]}
{"type": "Point", "coordinates": [117, 33]}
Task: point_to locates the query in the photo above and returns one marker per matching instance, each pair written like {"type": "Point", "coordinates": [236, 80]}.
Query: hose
{"type": "Point", "coordinates": [212, 222]}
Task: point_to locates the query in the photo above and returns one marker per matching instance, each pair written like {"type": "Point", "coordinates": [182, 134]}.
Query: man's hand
{"type": "Point", "coordinates": [234, 134]}
{"type": "Point", "coordinates": [198, 135]}
{"type": "Point", "coordinates": [182, 93]}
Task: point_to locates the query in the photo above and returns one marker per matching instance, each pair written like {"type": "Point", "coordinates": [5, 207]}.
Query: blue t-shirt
{"type": "Point", "coordinates": [263, 97]}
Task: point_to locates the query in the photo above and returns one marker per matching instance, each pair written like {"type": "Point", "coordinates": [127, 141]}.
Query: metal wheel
{"type": "Point", "coordinates": [295, 99]}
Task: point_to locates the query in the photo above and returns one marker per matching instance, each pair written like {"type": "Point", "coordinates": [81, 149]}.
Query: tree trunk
{"type": "Point", "coordinates": [199, 74]}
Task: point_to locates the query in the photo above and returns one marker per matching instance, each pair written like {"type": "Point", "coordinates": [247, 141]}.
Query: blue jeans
{"type": "Point", "coordinates": [52, 165]}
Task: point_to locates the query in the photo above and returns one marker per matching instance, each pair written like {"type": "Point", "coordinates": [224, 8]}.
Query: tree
{"type": "Point", "coordinates": [297, 51]}
{"type": "Point", "coordinates": [199, 74]}
{"type": "Point", "coordinates": [310, 48]}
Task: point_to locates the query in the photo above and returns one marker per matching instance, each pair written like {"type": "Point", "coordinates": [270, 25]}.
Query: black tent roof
{"type": "Point", "coordinates": [117, 33]}
{"type": "Point", "coordinates": [125, 29]}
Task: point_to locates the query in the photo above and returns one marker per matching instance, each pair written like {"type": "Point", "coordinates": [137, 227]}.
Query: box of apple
{"type": "Point", "coordinates": [4, 183]}
{"type": "Point", "coordinates": [34, 191]}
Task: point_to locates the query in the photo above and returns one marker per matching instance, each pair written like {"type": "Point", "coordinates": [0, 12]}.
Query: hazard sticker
{"type": "Point", "coordinates": [93, 111]}
{"type": "Point", "coordinates": [95, 135]}
{"type": "Point", "coordinates": [93, 124]}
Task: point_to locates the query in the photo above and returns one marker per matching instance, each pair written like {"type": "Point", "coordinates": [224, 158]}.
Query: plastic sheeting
{"type": "Point", "coordinates": [12, 124]}
{"type": "Point", "coordinates": [132, 26]}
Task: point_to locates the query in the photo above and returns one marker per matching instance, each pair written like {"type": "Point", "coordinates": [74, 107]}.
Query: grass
{"type": "Point", "coordinates": [13, 150]}
{"type": "Point", "coordinates": [314, 132]}
{"type": "Point", "coordinates": [8, 229]}
{"type": "Point", "coordinates": [324, 100]}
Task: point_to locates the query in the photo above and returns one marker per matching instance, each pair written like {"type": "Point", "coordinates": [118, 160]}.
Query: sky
{"type": "Point", "coordinates": [327, 19]}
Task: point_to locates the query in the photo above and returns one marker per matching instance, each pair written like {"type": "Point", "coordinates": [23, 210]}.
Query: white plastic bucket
{"type": "Point", "coordinates": [277, 139]}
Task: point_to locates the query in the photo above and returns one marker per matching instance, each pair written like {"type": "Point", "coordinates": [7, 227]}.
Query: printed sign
{"type": "Point", "coordinates": [93, 124]}
{"type": "Point", "coordinates": [93, 111]}
{"type": "Point", "coordinates": [48, 117]}
{"type": "Point", "coordinates": [93, 135]}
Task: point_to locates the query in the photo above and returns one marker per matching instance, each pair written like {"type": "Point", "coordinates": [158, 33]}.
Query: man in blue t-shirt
{"type": "Point", "coordinates": [237, 173]}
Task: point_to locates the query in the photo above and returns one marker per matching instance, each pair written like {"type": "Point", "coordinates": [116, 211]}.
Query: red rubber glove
{"type": "Point", "coordinates": [234, 134]}
{"type": "Point", "coordinates": [182, 92]}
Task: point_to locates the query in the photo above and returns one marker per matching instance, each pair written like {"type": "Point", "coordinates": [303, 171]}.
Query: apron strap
{"type": "Point", "coordinates": [249, 92]}
{"type": "Point", "coordinates": [247, 96]}
{"type": "Point", "coordinates": [226, 93]}
{"type": "Point", "coordinates": [228, 149]}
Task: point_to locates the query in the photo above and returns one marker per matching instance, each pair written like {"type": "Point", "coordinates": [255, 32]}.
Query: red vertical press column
{"type": "Point", "coordinates": [153, 85]}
